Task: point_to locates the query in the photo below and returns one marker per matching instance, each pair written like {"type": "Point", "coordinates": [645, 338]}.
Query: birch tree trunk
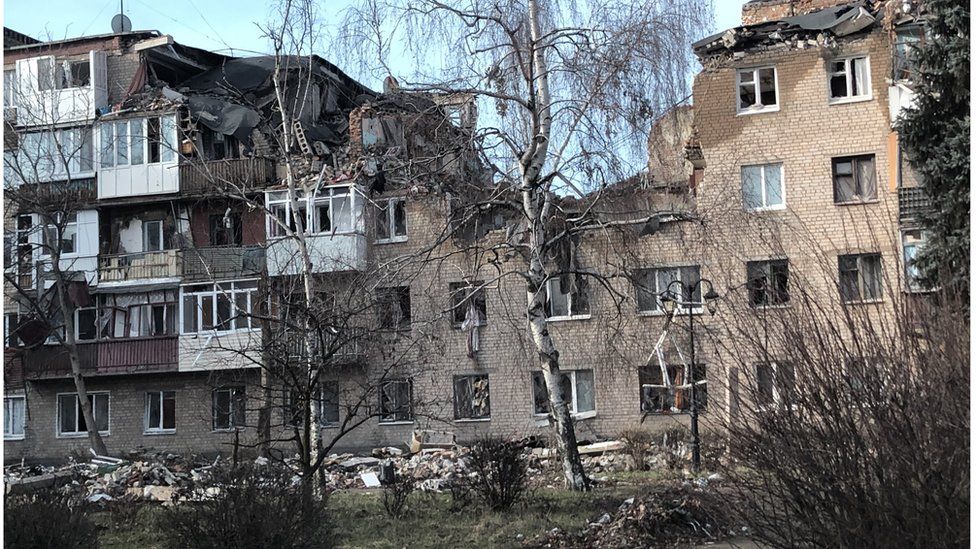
{"type": "Point", "coordinates": [94, 438]}
{"type": "Point", "coordinates": [536, 205]}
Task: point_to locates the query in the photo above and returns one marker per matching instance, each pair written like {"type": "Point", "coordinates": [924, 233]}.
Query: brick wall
{"type": "Point", "coordinates": [760, 11]}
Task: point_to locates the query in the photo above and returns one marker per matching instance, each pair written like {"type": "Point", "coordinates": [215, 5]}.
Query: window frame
{"type": "Point", "coordinates": [753, 109]}
{"type": "Point", "coordinates": [388, 211]}
{"type": "Point", "coordinates": [92, 395]}
{"type": "Point", "coordinates": [237, 394]}
{"type": "Point", "coordinates": [702, 390]}
{"type": "Point", "coordinates": [659, 310]}
{"type": "Point", "coordinates": [226, 288]}
{"type": "Point", "coordinates": [147, 232]}
{"type": "Point", "coordinates": [917, 242]}
{"type": "Point", "coordinates": [77, 323]}
{"type": "Point", "coordinates": [161, 429]}
{"type": "Point", "coordinates": [775, 399]}
{"type": "Point", "coordinates": [109, 145]}
{"type": "Point", "coordinates": [859, 259]}
{"type": "Point", "coordinates": [459, 293]}
{"type": "Point", "coordinates": [767, 266]}
{"type": "Point", "coordinates": [394, 299]}
{"type": "Point", "coordinates": [570, 305]}
{"type": "Point", "coordinates": [573, 399]}
{"type": "Point", "coordinates": [278, 200]}
{"type": "Point", "coordinates": [471, 379]}
{"type": "Point", "coordinates": [409, 418]}
{"type": "Point", "coordinates": [69, 225]}
{"type": "Point", "coordinates": [855, 161]}
{"type": "Point", "coordinates": [848, 66]}
{"type": "Point", "coordinates": [8, 418]}
{"type": "Point", "coordinates": [762, 187]}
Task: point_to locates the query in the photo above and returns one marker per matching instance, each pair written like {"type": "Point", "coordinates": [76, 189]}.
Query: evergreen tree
{"type": "Point", "coordinates": [935, 133]}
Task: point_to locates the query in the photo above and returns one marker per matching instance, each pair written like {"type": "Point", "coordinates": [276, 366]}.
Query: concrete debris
{"type": "Point", "coordinates": [370, 479]}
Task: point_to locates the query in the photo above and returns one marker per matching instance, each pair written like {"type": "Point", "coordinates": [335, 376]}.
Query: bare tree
{"type": "Point", "coordinates": [574, 90]}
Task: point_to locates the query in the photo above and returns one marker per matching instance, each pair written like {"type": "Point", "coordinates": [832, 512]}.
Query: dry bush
{"type": "Point", "coordinates": [396, 493]}
{"type": "Point", "coordinates": [47, 520]}
{"type": "Point", "coordinates": [674, 447]}
{"type": "Point", "coordinates": [638, 444]}
{"type": "Point", "coordinates": [866, 442]}
{"type": "Point", "coordinates": [502, 471]}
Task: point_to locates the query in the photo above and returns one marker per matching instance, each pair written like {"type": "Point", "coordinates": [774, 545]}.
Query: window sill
{"type": "Point", "coordinates": [227, 430]}
{"type": "Point", "coordinates": [584, 415]}
{"type": "Point", "coordinates": [847, 100]}
{"type": "Point", "coordinates": [763, 209]}
{"type": "Point", "coordinates": [567, 318]}
{"type": "Point", "coordinates": [395, 240]}
{"type": "Point", "coordinates": [857, 202]}
{"type": "Point", "coordinates": [864, 302]}
{"type": "Point", "coordinates": [159, 432]}
{"type": "Point", "coordinates": [775, 306]}
{"type": "Point", "coordinates": [208, 333]}
{"type": "Point", "coordinates": [13, 437]}
{"type": "Point", "coordinates": [81, 435]}
{"type": "Point", "coordinates": [764, 110]}
{"type": "Point", "coordinates": [662, 314]}
{"type": "Point", "coordinates": [395, 423]}
{"type": "Point", "coordinates": [473, 420]}
{"type": "Point", "coordinates": [669, 413]}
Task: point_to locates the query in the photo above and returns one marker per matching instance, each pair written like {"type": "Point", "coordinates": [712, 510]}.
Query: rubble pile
{"type": "Point", "coordinates": [686, 513]}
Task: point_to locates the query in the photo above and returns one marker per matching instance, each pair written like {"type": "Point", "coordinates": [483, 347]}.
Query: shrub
{"type": "Point", "coordinates": [47, 520]}
{"type": "Point", "coordinates": [396, 494]}
{"type": "Point", "coordinates": [460, 488]}
{"type": "Point", "coordinates": [502, 471]}
{"type": "Point", "coordinates": [637, 445]}
{"type": "Point", "coordinates": [250, 508]}
{"type": "Point", "coordinates": [674, 447]}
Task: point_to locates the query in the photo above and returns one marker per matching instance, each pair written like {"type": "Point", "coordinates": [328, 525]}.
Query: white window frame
{"type": "Point", "coordinates": [390, 213]}
{"type": "Point", "coordinates": [228, 288]}
{"type": "Point", "coordinates": [680, 310]}
{"type": "Point", "coordinates": [757, 107]}
{"type": "Point", "coordinates": [413, 413]}
{"type": "Point", "coordinates": [158, 430]}
{"type": "Point", "coordinates": [846, 72]}
{"type": "Point", "coordinates": [69, 227]}
{"type": "Point", "coordinates": [860, 262]}
{"type": "Point", "coordinates": [9, 327]}
{"type": "Point", "coordinates": [11, 434]}
{"type": "Point", "coordinates": [915, 239]}
{"type": "Point", "coordinates": [569, 304]}
{"type": "Point", "coordinates": [572, 400]}
{"type": "Point", "coordinates": [167, 142]}
{"type": "Point", "coordinates": [78, 323]}
{"type": "Point", "coordinates": [326, 195]}
{"type": "Point", "coordinates": [762, 187]}
{"type": "Point", "coordinates": [146, 233]}
{"type": "Point", "coordinates": [91, 396]}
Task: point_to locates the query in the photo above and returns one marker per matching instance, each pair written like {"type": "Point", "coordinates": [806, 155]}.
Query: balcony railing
{"type": "Point", "coordinates": [118, 268]}
{"type": "Point", "coordinates": [222, 262]}
{"type": "Point", "coordinates": [911, 202]}
{"type": "Point", "coordinates": [214, 176]}
{"type": "Point", "coordinates": [104, 357]}
{"type": "Point", "coordinates": [76, 191]}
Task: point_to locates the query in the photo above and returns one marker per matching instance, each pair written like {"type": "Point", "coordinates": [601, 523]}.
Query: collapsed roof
{"type": "Point", "coordinates": [832, 22]}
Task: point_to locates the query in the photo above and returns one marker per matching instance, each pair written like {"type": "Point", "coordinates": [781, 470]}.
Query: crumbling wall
{"type": "Point", "coordinates": [760, 11]}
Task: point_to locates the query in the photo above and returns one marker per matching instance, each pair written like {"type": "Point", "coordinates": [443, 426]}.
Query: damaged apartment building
{"type": "Point", "coordinates": [182, 228]}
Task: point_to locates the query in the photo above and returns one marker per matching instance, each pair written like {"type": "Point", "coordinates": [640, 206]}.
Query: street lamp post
{"type": "Point", "coordinates": [671, 301]}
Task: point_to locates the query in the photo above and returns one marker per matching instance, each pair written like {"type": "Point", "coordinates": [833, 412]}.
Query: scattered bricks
{"type": "Point", "coordinates": [29, 484]}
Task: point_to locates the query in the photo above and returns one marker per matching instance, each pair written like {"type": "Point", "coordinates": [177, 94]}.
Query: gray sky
{"type": "Point", "coordinates": [218, 25]}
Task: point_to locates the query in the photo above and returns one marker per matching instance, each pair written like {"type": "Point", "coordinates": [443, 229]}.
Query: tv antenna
{"type": "Point", "coordinates": [121, 23]}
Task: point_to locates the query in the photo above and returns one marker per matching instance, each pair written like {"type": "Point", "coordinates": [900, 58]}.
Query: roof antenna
{"type": "Point", "coordinates": [121, 23]}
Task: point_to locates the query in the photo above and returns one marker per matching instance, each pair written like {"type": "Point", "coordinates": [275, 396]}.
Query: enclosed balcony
{"type": "Point", "coordinates": [335, 235]}
{"type": "Point", "coordinates": [165, 264]}
{"type": "Point", "coordinates": [210, 263]}
{"type": "Point", "coordinates": [53, 91]}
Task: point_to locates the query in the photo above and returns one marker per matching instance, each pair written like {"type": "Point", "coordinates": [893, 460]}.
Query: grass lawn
{"type": "Point", "coordinates": [428, 521]}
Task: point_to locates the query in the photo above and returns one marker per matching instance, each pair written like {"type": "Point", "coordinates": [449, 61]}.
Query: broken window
{"type": "Point", "coordinates": [382, 133]}
{"type": "Point", "coordinates": [393, 307]}
{"type": "Point", "coordinates": [902, 64]}
{"type": "Point", "coordinates": [72, 422]}
{"type": "Point", "coordinates": [328, 401]}
{"type": "Point", "coordinates": [849, 78]}
{"type": "Point", "coordinates": [911, 242]}
{"type": "Point", "coordinates": [223, 307]}
{"type": "Point", "coordinates": [228, 408]}
{"type": "Point", "coordinates": [152, 236]}
{"type": "Point", "coordinates": [757, 90]}
{"type": "Point", "coordinates": [854, 179]}
{"type": "Point", "coordinates": [25, 251]}
{"type": "Point", "coordinates": [567, 297]}
{"type": "Point", "coordinates": [673, 396]}
{"type": "Point", "coordinates": [10, 88]}
{"type": "Point", "coordinates": [463, 296]}
{"type": "Point", "coordinates": [396, 401]}
{"type": "Point", "coordinates": [14, 417]}
{"type": "Point", "coordinates": [768, 282]}
{"type": "Point", "coordinates": [775, 383]}
{"type": "Point", "coordinates": [762, 186]}
{"type": "Point", "coordinates": [578, 390]}
{"type": "Point", "coordinates": [391, 220]}
{"type": "Point", "coordinates": [11, 321]}
{"type": "Point", "coordinates": [68, 234]}
{"type": "Point", "coordinates": [137, 141]}
{"type": "Point", "coordinates": [71, 74]}
{"type": "Point", "coordinates": [45, 74]}
{"type": "Point", "coordinates": [471, 397]}
{"type": "Point", "coordinates": [651, 283]}
{"type": "Point", "coordinates": [860, 277]}
{"type": "Point", "coordinates": [160, 411]}
{"type": "Point", "coordinates": [85, 324]}
{"type": "Point", "coordinates": [226, 229]}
